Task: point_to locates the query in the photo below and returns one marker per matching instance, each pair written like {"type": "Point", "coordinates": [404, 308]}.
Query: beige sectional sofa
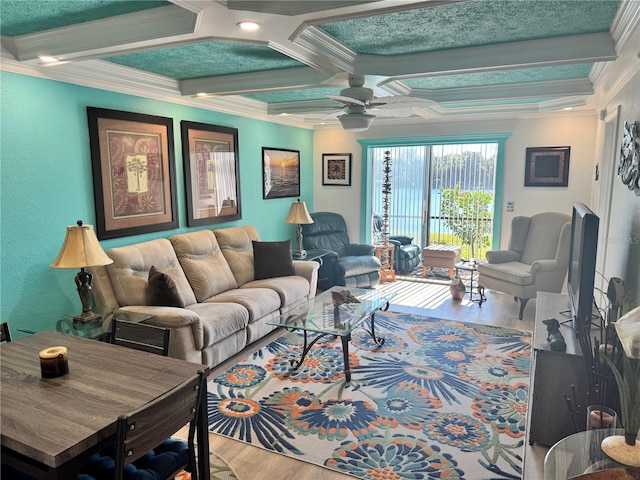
{"type": "Point", "coordinates": [224, 308]}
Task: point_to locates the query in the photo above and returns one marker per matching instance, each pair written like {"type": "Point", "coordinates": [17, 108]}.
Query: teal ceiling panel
{"type": "Point", "coordinates": [22, 17]}
{"type": "Point", "coordinates": [206, 59]}
{"type": "Point", "coordinates": [538, 74]}
{"type": "Point", "coordinates": [472, 23]}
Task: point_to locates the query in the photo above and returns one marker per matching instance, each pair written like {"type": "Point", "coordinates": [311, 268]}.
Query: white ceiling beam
{"type": "Point", "coordinates": [253, 82]}
{"type": "Point", "coordinates": [552, 88]}
{"type": "Point", "coordinates": [108, 36]}
{"type": "Point", "coordinates": [587, 48]}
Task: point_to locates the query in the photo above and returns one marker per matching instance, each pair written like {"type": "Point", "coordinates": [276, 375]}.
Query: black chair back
{"type": "Point", "coordinates": [141, 336]}
{"type": "Point", "coordinates": [5, 334]}
{"type": "Point", "coordinates": [149, 426]}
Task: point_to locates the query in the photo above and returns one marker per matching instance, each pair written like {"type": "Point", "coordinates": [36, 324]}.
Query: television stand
{"type": "Point", "coordinates": [552, 374]}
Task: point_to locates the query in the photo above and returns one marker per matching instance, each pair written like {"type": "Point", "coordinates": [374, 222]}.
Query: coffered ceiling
{"type": "Point", "coordinates": [457, 57]}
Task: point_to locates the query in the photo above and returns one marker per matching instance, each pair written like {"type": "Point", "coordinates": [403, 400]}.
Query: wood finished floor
{"type": "Point", "coordinates": [253, 463]}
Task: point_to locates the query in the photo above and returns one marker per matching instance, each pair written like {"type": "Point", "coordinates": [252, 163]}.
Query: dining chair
{"type": "Point", "coordinates": [144, 447]}
{"type": "Point", "coordinates": [141, 336]}
{"type": "Point", "coordinates": [5, 334]}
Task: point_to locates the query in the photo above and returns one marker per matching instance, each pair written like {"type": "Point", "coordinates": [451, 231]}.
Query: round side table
{"type": "Point", "coordinates": [579, 454]}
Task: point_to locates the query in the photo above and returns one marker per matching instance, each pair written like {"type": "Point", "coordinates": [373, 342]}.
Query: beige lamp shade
{"type": "Point", "coordinates": [628, 330]}
{"type": "Point", "coordinates": [299, 214]}
{"type": "Point", "coordinates": [81, 249]}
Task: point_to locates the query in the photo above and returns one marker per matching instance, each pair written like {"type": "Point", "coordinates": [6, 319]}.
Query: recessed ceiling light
{"type": "Point", "coordinates": [48, 59]}
{"type": "Point", "coordinates": [568, 108]}
{"type": "Point", "coordinates": [249, 26]}
{"type": "Point", "coordinates": [202, 94]}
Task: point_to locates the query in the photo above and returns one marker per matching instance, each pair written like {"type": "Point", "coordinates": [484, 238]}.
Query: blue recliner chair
{"type": "Point", "coordinates": [353, 265]}
{"type": "Point", "coordinates": [405, 253]}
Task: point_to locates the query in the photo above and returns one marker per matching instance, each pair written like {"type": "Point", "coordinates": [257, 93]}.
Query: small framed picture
{"type": "Point", "coordinates": [547, 167]}
{"type": "Point", "coordinates": [280, 173]}
{"type": "Point", "coordinates": [336, 169]}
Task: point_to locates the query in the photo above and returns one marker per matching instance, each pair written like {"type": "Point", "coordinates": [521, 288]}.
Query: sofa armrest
{"type": "Point", "coordinates": [309, 270]}
{"type": "Point", "coordinates": [502, 256]}
{"type": "Point", "coordinates": [170, 317]}
{"type": "Point", "coordinates": [357, 249]}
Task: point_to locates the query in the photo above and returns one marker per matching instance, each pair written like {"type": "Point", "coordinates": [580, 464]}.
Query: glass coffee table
{"type": "Point", "coordinates": [322, 316]}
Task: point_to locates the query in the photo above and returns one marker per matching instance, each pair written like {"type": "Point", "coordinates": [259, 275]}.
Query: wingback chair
{"type": "Point", "coordinates": [352, 264]}
{"type": "Point", "coordinates": [536, 261]}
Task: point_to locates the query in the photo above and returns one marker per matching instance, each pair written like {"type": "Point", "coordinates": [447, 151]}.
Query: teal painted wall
{"type": "Point", "coordinates": [46, 184]}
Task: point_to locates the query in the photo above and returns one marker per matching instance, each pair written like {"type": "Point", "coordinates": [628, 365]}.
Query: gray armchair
{"type": "Point", "coordinates": [536, 261]}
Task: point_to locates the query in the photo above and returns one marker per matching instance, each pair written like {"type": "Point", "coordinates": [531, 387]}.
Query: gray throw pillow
{"type": "Point", "coordinates": [162, 290]}
{"type": "Point", "coordinates": [272, 259]}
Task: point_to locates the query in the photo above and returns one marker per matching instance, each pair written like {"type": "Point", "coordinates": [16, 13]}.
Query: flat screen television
{"type": "Point", "coordinates": [582, 266]}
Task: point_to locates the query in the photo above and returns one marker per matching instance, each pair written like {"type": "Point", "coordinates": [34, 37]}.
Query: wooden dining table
{"type": "Point", "coordinates": [51, 426]}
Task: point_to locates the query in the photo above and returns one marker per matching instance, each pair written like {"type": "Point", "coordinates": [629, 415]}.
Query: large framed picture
{"type": "Point", "coordinates": [211, 173]}
{"type": "Point", "coordinates": [133, 172]}
{"type": "Point", "coordinates": [547, 167]}
{"type": "Point", "coordinates": [280, 173]}
{"type": "Point", "coordinates": [336, 169]}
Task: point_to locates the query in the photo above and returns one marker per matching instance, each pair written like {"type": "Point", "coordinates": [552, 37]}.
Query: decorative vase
{"type": "Point", "coordinates": [457, 288]}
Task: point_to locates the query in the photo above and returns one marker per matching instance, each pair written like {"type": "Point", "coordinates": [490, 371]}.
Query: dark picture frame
{"type": "Point", "coordinates": [336, 169]}
{"type": "Point", "coordinates": [547, 167]}
{"type": "Point", "coordinates": [211, 173]}
{"type": "Point", "coordinates": [132, 156]}
{"type": "Point", "coordinates": [280, 173]}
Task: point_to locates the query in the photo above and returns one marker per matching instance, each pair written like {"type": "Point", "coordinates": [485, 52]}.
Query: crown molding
{"type": "Point", "coordinates": [625, 21]}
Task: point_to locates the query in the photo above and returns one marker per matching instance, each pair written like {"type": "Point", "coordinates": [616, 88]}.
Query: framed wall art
{"type": "Point", "coordinates": [211, 173]}
{"type": "Point", "coordinates": [133, 172]}
{"type": "Point", "coordinates": [336, 169]}
{"type": "Point", "coordinates": [280, 173]}
{"type": "Point", "coordinates": [547, 167]}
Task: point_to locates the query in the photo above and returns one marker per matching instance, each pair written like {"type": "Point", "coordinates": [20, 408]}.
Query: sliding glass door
{"type": "Point", "coordinates": [440, 193]}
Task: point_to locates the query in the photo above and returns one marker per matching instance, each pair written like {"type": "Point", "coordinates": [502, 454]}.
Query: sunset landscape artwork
{"type": "Point", "coordinates": [280, 173]}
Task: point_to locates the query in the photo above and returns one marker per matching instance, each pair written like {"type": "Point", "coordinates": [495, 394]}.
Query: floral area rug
{"type": "Point", "coordinates": [440, 399]}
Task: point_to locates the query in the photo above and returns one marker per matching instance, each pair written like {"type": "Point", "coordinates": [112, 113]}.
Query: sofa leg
{"type": "Point", "coordinates": [523, 303]}
{"type": "Point", "coordinates": [451, 273]}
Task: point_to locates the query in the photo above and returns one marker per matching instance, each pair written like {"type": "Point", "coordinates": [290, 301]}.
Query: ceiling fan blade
{"type": "Point", "coordinates": [403, 101]}
{"type": "Point", "coordinates": [332, 115]}
{"type": "Point", "coordinates": [347, 100]}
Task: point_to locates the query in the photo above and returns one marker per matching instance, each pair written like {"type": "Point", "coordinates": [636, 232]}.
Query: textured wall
{"type": "Point", "coordinates": [46, 184]}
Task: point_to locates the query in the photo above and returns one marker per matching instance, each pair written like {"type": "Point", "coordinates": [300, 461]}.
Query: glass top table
{"type": "Point", "coordinates": [337, 311]}
{"type": "Point", "coordinates": [578, 454]}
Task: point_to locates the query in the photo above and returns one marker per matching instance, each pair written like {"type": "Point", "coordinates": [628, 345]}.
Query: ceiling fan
{"type": "Point", "coordinates": [361, 107]}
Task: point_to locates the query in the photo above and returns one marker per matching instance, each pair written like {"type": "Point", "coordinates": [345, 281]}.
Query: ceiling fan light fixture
{"type": "Point", "coordinates": [356, 122]}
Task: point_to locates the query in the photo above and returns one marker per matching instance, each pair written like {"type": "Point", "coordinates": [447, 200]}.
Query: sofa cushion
{"type": "Point", "coordinates": [220, 320]}
{"type": "Point", "coordinates": [235, 244]}
{"type": "Point", "coordinates": [129, 272]}
{"type": "Point", "coordinates": [162, 290]}
{"type": "Point", "coordinates": [204, 264]}
{"type": "Point", "coordinates": [291, 289]}
{"type": "Point", "coordinates": [272, 259]}
{"type": "Point", "coordinates": [258, 301]}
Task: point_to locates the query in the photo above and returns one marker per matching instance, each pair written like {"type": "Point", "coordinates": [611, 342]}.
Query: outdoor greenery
{"type": "Point", "coordinates": [468, 215]}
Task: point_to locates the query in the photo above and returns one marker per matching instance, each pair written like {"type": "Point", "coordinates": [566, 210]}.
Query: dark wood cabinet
{"type": "Point", "coordinates": [553, 373]}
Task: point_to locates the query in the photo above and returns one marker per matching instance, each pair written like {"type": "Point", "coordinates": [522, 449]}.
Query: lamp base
{"type": "Point", "coordinates": [85, 318]}
{"type": "Point", "coordinates": [616, 448]}
{"type": "Point", "coordinates": [299, 255]}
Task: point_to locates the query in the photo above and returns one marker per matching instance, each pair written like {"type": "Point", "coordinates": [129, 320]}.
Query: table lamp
{"type": "Point", "coordinates": [81, 249]}
{"type": "Point", "coordinates": [300, 215]}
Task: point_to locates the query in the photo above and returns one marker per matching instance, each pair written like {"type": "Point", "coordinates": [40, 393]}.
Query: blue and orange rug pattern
{"type": "Point", "coordinates": [439, 400]}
